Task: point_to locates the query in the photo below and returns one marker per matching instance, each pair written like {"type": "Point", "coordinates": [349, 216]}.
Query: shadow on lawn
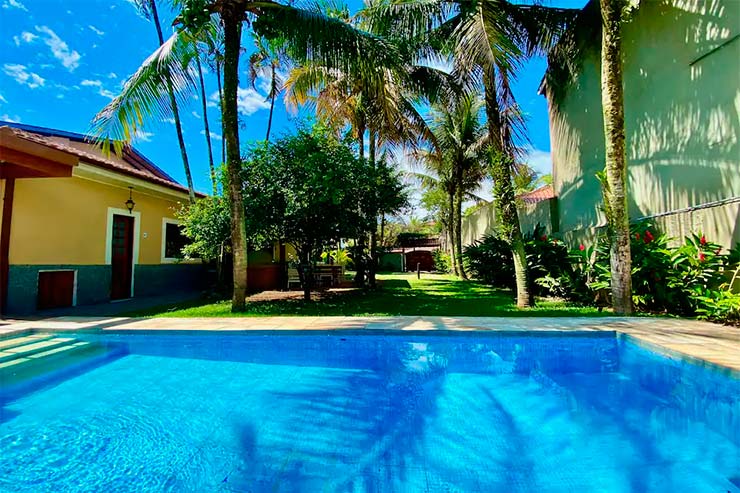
{"type": "Point", "coordinates": [433, 296]}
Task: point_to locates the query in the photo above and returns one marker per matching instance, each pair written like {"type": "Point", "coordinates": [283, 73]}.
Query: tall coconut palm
{"type": "Point", "coordinates": [310, 35]}
{"type": "Point", "coordinates": [612, 101]}
{"type": "Point", "coordinates": [599, 25]}
{"type": "Point", "coordinates": [149, 8]}
{"type": "Point", "coordinates": [267, 61]}
{"type": "Point", "coordinates": [460, 141]}
{"type": "Point", "coordinates": [487, 38]}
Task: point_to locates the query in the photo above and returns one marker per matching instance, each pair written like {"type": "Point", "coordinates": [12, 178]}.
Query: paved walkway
{"type": "Point", "coordinates": [710, 342]}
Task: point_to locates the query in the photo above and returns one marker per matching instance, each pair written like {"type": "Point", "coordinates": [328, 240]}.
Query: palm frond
{"type": "Point", "coordinates": [145, 94]}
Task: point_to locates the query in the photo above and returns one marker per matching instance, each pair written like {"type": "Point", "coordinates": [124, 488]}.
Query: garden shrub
{"type": "Point", "coordinates": [693, 279]}
{"type": "Point", "coordinates": [442, 261]}
{"type": "Point", "coordinates": [490, 261]}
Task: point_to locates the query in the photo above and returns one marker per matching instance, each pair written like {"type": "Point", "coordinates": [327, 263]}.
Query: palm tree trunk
{"type": "Point", "coordinates": [232, 16]}
{"type": "Point", "coordinates": [175, 112]}
{"type": "Point", "coordinates": [612, 100]}
{"type": "Point", "coordinates": [272, 103]}
{"type": "Point", "coordinates": [458, 233]}
{"type": "Point", "coordinates": [503, 191]}
{"type": "Point", "coordinates": [360, 245]}
{"type": "Point", "coordinates": [451, 228]}
{"type": "Point", "coordinates": [221, 107]}
{"type": "Point", "coordinates": [205, 123]}
{"type": "Point", "coordinates": [372, 268]}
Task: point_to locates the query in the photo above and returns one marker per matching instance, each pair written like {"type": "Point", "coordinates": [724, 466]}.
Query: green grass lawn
{"type": "Point", "coordinates": [399, 294]}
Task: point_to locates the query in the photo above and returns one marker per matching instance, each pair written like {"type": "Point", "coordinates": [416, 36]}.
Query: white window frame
{"type": "Point", "coordinates": [172, 260]}
{"type": "Point", "coordinates": [112, 211]}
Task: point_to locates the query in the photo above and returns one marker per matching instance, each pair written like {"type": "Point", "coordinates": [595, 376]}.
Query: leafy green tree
{"type": "Point", "coordinates": [310, 191]}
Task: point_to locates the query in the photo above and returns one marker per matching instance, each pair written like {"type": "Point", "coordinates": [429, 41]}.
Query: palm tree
{"type": "Point", "coordinates": [149, 8]}
{"type": "Point", "coordinates": [309, 34]}
{"type": "Point", "coordinates": [612, 100]}
{"type": "Point", "coordinates": [599, 23]}
{"type": "Point", "coordinates": [383, 107]}
{"type": "Point", "coordinates": [460, 144]}
{"type": "Point", "coordinates": [267, 61]}
{"type": "Point", "coordinates": [486, 38]}
{"type": "Point", "coordinates": [206, 126]}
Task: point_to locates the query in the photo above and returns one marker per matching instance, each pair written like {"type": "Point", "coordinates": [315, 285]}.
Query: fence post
{"type": "Point", "coordinates": [418, 270]}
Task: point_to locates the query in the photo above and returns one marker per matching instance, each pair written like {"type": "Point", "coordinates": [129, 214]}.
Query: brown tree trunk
{"type": "Point", "coordinates": [458, 227]}
{"type": "Point", "coordinates": [272, 104]}
{"type": "Point", "coordinates": [360, 245]}
{"type": "Point", "coordinates": [175, 111]}
{"type": "Point", "coordinates": [503, 190]}
{"type": "Point", "coordinates": [205, 123]}
{"type": "Point", "coordinates": [221, 107]}
{"type": "Point", "coordinates": [373, 264]}
{"type": "Point", "coordinates": [451, 228]}
{"type": "Point", "coordinates": [232, 16]}
{"type": "Point", "coordinates": [612, 100]}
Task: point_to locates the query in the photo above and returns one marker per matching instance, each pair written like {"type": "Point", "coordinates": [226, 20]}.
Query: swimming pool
{"type": "Point", "coordinates": [336, 412]}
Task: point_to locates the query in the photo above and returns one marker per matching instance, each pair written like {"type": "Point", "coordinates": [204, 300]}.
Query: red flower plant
{"type": "Point", "coordinates": [702, 257]}
{"type": "Point", "coordinates": [718, 251]}
{"type": "Point", "coordinates": [637, 236]}
{"type": "Point", "coordinates": [649, 237]}
{"type": "Point", "coordinates": [581, 247]}
{"type": "Point", "coordinates": [703, 240]}
{"type": "Point", "coordinates": [543, 237]}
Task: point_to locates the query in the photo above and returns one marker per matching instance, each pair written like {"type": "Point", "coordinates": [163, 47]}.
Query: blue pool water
{"type": "Point", "coordinates": [374, 413]}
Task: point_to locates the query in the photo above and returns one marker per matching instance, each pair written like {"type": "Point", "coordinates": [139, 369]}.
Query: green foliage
{"type": "Point", "coordinates": [548, 260]}
{"type": "Point", "coordinates": [310, 190]}
{"type": "Point", "coordinates": [442, 261]}
{"type": "Point", "coordinates": [207, 223]}
{"type": "Point", "coordinates": [692, 279]}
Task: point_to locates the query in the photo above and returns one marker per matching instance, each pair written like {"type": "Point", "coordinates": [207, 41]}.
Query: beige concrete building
{"type": "Point", "coordinates": [682, 118]}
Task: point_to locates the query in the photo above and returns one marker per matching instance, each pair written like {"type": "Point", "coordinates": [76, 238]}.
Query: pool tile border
{"type": "Point", "coordinates": [703, 341]}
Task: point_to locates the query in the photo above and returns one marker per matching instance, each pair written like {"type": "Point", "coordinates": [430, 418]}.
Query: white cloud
{"type": "Point", "coordinates": [213, 100]}
{"type": "Point", "coordinates": [14, 4]}
{"type": "Point", "coordinates": [214, 135]}
{"type": "Point", "coordinates": [539, 160]}
{"type": "Point", "coordinates": [249, 101]}
{"type": "Point", "coordinates": [2, 99]}
{"type": "Point", "coordinates": [69, 58]}
{"type": "Point", "coordinates": [171, 121]}
{"type": "Point", "coordinates": [23, 76]}
{"type": "Point", "coordinates": [112, 75]}
{"type": "Point", "coordinates": [28, 37]}
{"type": "Point", "coordinates": [12, 119]}
{"type": "Point", "coordinates": [141, 136]}
{"type": "Point", "coordinates": [106, 93]}
{"type": "Point", "coordinates": [96, 30]}
{"type": "Point", "coordinates": [196, 115]}
{"type": "Point", "coordinates": [94, 83]}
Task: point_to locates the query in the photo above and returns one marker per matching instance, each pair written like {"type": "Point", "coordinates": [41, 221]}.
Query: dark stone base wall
{"type": "Point", "coordinates": [151, 280]}
{"type": "Point", "coordinates": [93, 282]}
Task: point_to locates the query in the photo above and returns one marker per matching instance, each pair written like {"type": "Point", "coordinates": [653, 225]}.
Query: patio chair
{"type": "Point", "coordinates": [293, 278]}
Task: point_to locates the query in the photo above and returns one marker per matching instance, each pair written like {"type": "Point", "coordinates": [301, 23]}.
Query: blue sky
{"type": "Point", "coordinates": [62, 61]}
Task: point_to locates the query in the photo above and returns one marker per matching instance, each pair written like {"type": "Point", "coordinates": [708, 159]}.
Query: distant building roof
{"type": "Point", "coordinates": [130, 162]}
{"type": "Point", "coordinates": [542, 193]}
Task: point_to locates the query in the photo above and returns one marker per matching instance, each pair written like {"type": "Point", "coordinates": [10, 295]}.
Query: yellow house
{"type": "Point", "coordinates": [79, 227]}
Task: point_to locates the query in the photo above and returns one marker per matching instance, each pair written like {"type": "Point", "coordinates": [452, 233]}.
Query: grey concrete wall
{"type": "Point", "coordinates": [93, 282]}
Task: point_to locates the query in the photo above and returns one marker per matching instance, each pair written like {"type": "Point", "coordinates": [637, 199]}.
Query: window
{"type": "Point", "coordinates": [174, 240]}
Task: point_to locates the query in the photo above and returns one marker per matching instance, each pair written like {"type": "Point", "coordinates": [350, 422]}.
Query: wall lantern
{"type": "Point", "coordinates": [130, 202]}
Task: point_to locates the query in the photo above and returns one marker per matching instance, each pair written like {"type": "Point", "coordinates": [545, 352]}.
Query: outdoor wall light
{"type": "Point", "coordinates": [130, 202]}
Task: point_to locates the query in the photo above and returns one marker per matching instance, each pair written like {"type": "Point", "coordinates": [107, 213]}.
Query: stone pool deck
{"type": "Point", "coordinates": [714, 343]}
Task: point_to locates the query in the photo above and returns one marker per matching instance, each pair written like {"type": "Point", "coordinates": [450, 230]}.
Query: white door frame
{"type": "Point", "coordinates": [112, 211]}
